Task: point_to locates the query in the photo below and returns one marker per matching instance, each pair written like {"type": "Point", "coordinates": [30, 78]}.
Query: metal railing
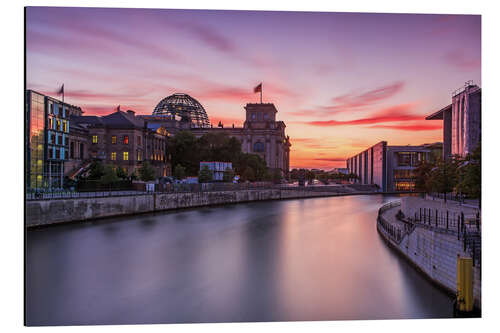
{"type": "Point", "coordinates": [467, 230]}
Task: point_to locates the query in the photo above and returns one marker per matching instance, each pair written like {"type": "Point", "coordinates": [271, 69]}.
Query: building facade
{"type": "Point", "coordinates": [47, 140]}
{"type": "Point", "coordinates": [461, 121]}
{"type": "Point", "coordinates": [391, 167]}
{"type": "Point", "coordinates": [261, 133]}
{"type": "Point", "coordinates": [123, 140]}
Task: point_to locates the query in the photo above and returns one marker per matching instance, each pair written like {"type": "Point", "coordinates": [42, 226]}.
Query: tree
{"type": "Point", "coordinates": [443, 177]}
{"type": "Point", "coordinates": [276, 175]}
{"type": "Point", "coordinates": [253, 161]}
{"type": "Point", "coordinates": [96, 170]}
{"type": "Point", "coordinates": [109, 175]}
{"type": "Point", "coordinates": [147, 172]}
{"type": "Point", "coordinates": [179, 172]}
{"type": "Point", "coordinates": [248, 174]}
{"type": "Point", "coordinates": [185, 151]}
{"type": "Point", "coordinates": [205, 175]}
{"type": "Point", "coordinates": [294, 174]}
{"type": "Point", "coordinates": [133, 176]}
{"type": "Point", "coordinates": [422, 176]}
{"type": "Point", "coordinates": [228, 175]}
{"type": "Point", "coordinates": [120, 172]}
{"type": "Point", "coordinates": [469, 175]}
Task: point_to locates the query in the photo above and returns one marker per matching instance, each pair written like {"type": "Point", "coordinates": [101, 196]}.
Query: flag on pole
{"type": "Point", "coordinates": [61, 91]}
{"type": "Point", "coordinates": [258, 89]}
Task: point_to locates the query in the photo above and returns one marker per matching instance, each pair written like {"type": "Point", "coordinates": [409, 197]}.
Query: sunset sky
{"type": "Point", "coordinates": [340, 81]}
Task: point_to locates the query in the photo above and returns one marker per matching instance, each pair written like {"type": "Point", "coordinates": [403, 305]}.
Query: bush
{"type": "Point", "coordinates": [205, 175]}
{"type": "Point", "coordinates": [146, 172]}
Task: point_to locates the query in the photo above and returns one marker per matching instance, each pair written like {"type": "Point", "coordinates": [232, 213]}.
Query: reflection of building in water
{"type": "Point", "coordinates": [261, 133]}
{"type": "Point", "coordinates": [391, 167]}
{"type": "Point", "coordinates": [461, 121]}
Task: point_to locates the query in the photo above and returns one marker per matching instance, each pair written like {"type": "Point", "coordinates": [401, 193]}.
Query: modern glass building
{"type": "Point", "coordinates": [391, 167]}
{"type": "Point", "coordinates": [47, 132]}
{"type": "Point", "coordinates": [461, 121]}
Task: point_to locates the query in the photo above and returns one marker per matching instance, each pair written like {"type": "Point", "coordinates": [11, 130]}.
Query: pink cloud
{"type": "Point", "coordinates": [392, 114]}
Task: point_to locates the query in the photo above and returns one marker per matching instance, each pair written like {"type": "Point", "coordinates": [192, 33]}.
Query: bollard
{"type": "Point", "coordinates": [465, 295]}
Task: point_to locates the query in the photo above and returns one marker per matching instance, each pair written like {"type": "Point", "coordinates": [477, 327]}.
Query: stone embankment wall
{"type": "Point", "coordinates": [43, 212]}
{"type": "Point", "coordinates": [433, 251]}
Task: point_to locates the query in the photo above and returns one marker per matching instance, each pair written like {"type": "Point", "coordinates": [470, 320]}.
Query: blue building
{"type": "Point", "coordinates": [46, 139]}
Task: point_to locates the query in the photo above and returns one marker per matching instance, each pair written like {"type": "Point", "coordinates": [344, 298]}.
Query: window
{"type": "Point", "coordinates": [125, 155]}
{"type": "Point", "coordinates": [139, 155]}
{"type": "Point", "coordinates": [65, 154]}
{"type": "Point", "coordinates": [72, 150]}
{"type": "Point", "coordinates": [258, 147]}
{"type": "Point", "coordinates": [58, 125]}
{"type": "Point", "coordinates": [50, 122]}
{"type": "Point", "coordinates": [65, 125]}
{"type": "Point", "coordinates": [58, 155]}
{"type": "Point", "coordinates": [113, 139]}
{"type": "Point", "coordinates": [113, 156]}
{"type": "Point", "coordinates": [94, 138]}
{"type": "Point", "coordinates": [58, 140]}
{"type": "Point", "coordinates": [253, 115]}
{"type": "Point", "coordinates": [139, 140]}
{"type": "Point", "coordinates": [125, 139]}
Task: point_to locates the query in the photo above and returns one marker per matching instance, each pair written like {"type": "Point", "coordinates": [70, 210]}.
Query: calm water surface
{"type": "Point", "coordinates": [313, 259]}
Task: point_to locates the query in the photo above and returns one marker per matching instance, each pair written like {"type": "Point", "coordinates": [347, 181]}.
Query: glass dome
{"type": "Point", "coordinates": [184, 108]}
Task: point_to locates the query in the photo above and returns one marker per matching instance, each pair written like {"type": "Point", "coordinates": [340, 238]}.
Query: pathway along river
{"type": "Point", "coordinates": [312, 259]}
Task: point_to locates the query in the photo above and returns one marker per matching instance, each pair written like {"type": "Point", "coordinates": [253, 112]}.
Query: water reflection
{"type": "Point", "coordinates": [313, 259]}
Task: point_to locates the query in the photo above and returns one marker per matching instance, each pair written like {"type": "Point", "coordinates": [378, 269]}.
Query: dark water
{"type": "Point", "coordinates": [313, 259]}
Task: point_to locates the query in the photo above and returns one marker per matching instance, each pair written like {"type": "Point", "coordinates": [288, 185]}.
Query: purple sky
{"type": "Point", "coordinates": [340, 81]}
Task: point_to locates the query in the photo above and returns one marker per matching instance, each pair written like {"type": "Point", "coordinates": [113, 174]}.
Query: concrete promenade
{"type": "Point", "coordinates": [431, 247]}
{"type": "Point", "coordinates": [45, 212]}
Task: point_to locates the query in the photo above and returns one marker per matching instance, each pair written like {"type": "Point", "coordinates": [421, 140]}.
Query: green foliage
{"type": "Point", "coordinates": [179, 172]}
{"type": "Point", "coordinates": [422, 176]}
{"type": "Point", "coordinates": [248, 175]}
{"type": "Point", "coordinates": [469, 175]}
{"type": "Point", "coordinates": [147, 172]}
{"type": "Point", "coordinates": [205, 175]}
{"type": "Point", "coordinates": [255, 164]}
{"type": "Point", "coordinates": [228, 175]}
{"type": "Point", "coordinates": [96, 171]}
{"type": "Point", "coordinates": [444, 176]}
{"type": "Point", "coordinates": [133, 176]}
{"type": "Point", "coordinates": [189, 151]}
{"type": "Point", "coordinates": [185, 151]}
{"type": "Point", "coordinates": [276, 175]}
{"type": "Point", "coordinates": [109, 175]}
{"type": "Point", "coordinates": [120, 172]}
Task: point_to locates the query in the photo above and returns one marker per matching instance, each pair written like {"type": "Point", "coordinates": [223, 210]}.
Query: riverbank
{"type": "Point", "coordinates": [46, 212]}
{"type": "Point", "coordinates": [432, 243]}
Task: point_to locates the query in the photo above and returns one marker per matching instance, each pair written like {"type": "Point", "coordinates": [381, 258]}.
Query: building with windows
{"type": "Point", "coordinates": [123, 140]}
{"type": "Point", "coordinates": [47, 139]}
{"type": "Point", "coordinates": [261, 133]}
{"type": "Point", "coordinates": [461, 121]}
{"type": "Point", "coordinates": [391, 167]}
{"type": "Point", "coordinates": [218, 168]}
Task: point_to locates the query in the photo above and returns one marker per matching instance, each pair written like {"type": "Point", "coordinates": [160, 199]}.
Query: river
{"type": "Point", "coordinates": [309, 259]}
